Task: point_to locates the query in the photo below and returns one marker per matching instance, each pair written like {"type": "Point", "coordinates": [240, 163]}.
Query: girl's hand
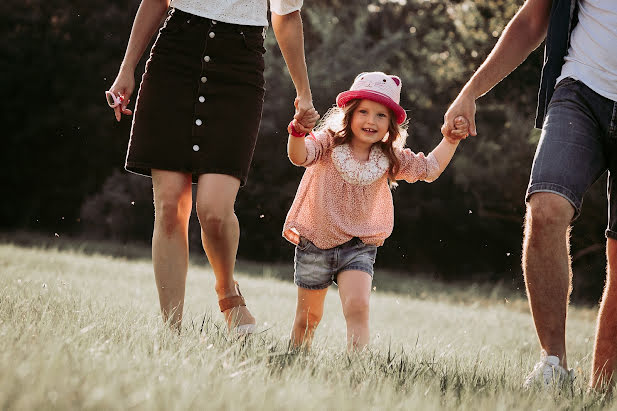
{"type": "Point", "coordinates": [296, 130]}
{"type": "Point", "coordinates": [461, 130]}
{"type": "Point", "coordinates": [123, 88]}
{"type": "Point", "coordinates": [306, 116]}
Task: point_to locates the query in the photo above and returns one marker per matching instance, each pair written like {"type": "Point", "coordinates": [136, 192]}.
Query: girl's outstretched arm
{"type": "Point", "coordinates": [146, 22]}
{"type": "Point", "coordinates": [296, 146]}
{"type": "Point", "coordinates": [443, 152]}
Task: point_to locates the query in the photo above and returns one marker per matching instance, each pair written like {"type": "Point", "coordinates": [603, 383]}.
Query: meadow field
{"type": "Point", "coordinates": [83, 331]}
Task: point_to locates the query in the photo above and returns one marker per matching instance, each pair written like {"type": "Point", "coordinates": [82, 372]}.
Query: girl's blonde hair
{"type": "Point", "coordinates": [337, 122]}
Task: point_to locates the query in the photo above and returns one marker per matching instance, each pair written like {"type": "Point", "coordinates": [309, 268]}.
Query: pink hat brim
{"type": "Point", "coordinates": [346, 96]}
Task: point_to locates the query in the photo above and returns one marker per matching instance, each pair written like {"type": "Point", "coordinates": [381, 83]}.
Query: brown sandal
{"type": "Point", "coordinates": [231, 302]}
{"type": "Point", "coordinates": [237, 301]}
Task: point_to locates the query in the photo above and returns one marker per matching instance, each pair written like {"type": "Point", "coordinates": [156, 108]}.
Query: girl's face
{"type": "Point", "coordinates": [369, 122]}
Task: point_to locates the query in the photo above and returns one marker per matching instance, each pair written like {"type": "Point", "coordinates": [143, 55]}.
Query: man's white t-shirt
{"type": "Point", "coordinates": [245, 12]}
{"type": "Point", "coordinates": [592, 56]}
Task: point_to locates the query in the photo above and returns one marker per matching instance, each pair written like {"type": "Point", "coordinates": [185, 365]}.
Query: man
{"type": "Point", "coordinates": [578, 144]}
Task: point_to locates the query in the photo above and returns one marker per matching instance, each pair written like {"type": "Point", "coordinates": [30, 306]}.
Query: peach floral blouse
{"type": "Point", "coordinates": [340, 197]}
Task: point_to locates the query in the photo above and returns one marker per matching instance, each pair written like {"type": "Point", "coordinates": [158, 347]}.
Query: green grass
{"type": "Point", "coordinates": [83, 331]}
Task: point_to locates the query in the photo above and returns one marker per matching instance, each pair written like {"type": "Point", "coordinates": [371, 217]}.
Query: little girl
{"type": "Point", "coordinates": [343, 208]}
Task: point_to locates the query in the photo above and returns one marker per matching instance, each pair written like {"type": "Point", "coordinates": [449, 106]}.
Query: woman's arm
{"type": "Point", "coordinates": [147, 20]}
{"type": "Point", "coordinates": [290, 37]}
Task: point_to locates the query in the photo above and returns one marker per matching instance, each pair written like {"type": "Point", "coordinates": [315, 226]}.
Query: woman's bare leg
{"type": "Point", "coordinates": [220, 233]}
{"type": "Point", "coordinates": [170, 251]}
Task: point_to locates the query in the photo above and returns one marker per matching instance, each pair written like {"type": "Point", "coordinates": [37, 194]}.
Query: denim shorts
{"type": "Point", "coordinates": [578, 144]}
{"type": "Point", "coordinates": [316, 269]}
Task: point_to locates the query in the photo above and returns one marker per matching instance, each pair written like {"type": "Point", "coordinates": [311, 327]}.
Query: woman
{"type": "Point", "coordinates": [196, 121]}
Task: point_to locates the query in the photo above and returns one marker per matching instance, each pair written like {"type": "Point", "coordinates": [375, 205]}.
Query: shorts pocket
{"type": "Point", "coordinates": [372, 252]}
{"type": "Point", "coordinates": [303, 244]}
{"type": "Point", "coordinates": [566, 82]}
{"type": "Point", "coordinates": [368, 250]}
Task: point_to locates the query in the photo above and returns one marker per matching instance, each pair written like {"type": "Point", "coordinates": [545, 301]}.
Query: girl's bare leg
{"type": "Point", "coordinates": [220, 233]}
{"type": "Point", "coordinates": [355, 291]}
{"type": "Point", "coordinates": [309, 311]}
{"type": "Point", "coordinates": [170, 251]}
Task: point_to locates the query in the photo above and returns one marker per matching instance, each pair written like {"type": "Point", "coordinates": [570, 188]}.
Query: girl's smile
{"type": "Point", "coordinates": [369, 124]}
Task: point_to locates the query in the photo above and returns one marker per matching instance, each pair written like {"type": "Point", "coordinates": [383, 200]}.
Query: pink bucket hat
{"type": "Point", "coordinates": [376, 86]}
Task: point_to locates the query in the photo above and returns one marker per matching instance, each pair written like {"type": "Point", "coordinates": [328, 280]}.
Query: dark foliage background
{"type": "Point", "coordinates": [63, 153]}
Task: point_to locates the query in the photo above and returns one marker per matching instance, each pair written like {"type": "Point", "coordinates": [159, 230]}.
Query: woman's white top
{"type": "Point", "coordinates": [246, 12]}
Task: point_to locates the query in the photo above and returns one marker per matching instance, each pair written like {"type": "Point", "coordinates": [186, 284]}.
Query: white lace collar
{"type": "Point", "coordinates": [360, 172]}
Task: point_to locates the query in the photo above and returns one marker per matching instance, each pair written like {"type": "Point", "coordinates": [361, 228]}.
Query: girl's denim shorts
{"type": "Point", "coordinates": [316, 269]}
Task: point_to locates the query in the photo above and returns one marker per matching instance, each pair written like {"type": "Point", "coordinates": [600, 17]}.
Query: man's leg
{"type": "Point", "coordinates": [569, 158]}
{"type": "Point", "coordinates": [220, 233]}
{"type": "Point", "coordinates": [170, 251]}
{"type": "Point", "coordinates": [546, 267]}
{"type": "Point", "coordinates": [605, 349]}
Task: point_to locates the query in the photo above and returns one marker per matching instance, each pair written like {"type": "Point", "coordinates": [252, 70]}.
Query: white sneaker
{"type": "Point", "coordinates": [548, 372]}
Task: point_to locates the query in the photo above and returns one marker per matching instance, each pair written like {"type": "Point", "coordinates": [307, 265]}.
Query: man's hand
{"type": "Point", "coordinates": [464, 107]}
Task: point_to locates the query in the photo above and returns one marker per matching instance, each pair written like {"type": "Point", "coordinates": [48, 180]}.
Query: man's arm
{"type": "Point", "coordinates": [290, 37]}
{"type": "Point", "coordinates": [522, 35]}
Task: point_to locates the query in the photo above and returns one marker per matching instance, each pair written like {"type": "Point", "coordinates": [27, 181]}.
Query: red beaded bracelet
{"type": "Point", "coordinates": [292, 130]}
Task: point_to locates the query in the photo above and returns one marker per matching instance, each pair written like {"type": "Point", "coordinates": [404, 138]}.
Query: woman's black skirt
{"type": "Point", "coordinates": [200, 99]}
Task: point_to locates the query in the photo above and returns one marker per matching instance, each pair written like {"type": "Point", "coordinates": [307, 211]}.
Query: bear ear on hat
{"type": "Point", "coordinates": [396, 80]}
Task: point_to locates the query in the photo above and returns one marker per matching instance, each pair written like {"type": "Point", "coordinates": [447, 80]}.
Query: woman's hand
{"type": "Point", "coordinates": [306, 116]}
{"type": "Point", "coordinates": [123, 88]}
